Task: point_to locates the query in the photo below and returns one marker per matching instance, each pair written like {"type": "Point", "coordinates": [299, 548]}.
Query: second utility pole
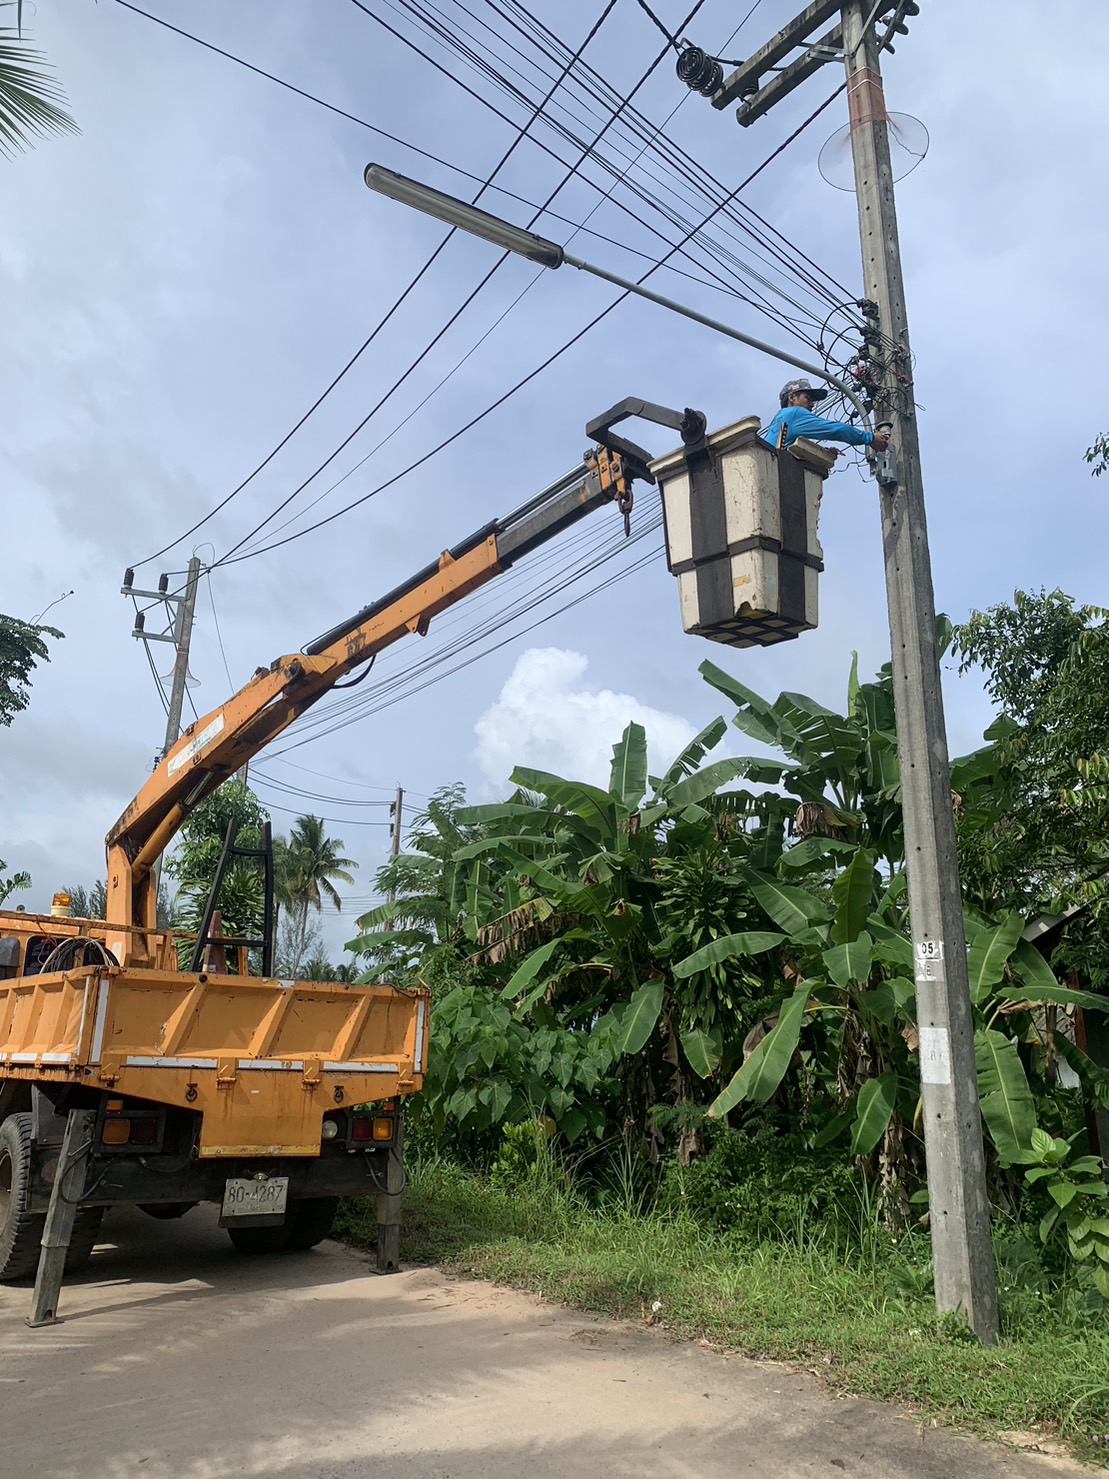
{"type": "Point", "coordinates": [182, 637]}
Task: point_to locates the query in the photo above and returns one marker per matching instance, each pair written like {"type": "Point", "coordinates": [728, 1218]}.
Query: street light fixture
{"type": "Point", "coordinates": [465, 217]}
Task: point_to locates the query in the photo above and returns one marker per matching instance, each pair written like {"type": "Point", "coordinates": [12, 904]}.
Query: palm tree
{"type": "Point", "coordinates": [30, 99]}
{"type": "Point", "coordinates": [306, 865]}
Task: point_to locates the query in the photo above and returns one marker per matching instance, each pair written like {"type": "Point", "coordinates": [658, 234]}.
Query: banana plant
{"type": "Point", "coordinates": [583, 898]}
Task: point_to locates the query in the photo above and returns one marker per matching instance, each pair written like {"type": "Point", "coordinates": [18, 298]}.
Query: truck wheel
{"type": "Point", "coordinates": [82, 1240]}
{"type": "Point", "coordinates": [309, 1222]}
{"type": "Point", "coordinates": [260, 1239]}
{"type": "Point", "coordinates": [166, 1211]}
{"type": "Point", "coordinates": [20, 1230]}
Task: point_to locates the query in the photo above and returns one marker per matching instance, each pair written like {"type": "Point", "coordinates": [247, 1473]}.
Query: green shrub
{"type": "Point", "coordinates": [764, 1184]}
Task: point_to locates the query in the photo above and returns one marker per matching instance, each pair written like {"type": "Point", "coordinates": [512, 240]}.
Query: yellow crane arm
{"type": "Point", "coordinates": [217, 745]}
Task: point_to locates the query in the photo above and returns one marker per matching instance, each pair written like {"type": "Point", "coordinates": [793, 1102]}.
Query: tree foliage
{"type": "Point", "coordinates": [306, 866]}
{"type": "Point", "coordinates": [88, 903]}
{"type": "Point", "coordinates": [31, 100]}
{"type": "Point", "coordinates": [13, 883]}
{"type": "Point", "coordinates": [634, 957]}
{"type": "Point", "coordinates": [1098, 455]}
{"type": "Point", "coordinates": [1034, 822]}
{"type": "Point", "coordinates": [241, 900]}
{"type": "Point", "coordinates": [22, 648]}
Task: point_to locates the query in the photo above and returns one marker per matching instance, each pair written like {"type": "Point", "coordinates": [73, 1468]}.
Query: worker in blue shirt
{"type": "Point", "coordinates": [796, 419]}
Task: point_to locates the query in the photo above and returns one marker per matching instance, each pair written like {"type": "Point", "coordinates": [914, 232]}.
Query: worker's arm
{"type": "Point", "coordinates": [802, 423]}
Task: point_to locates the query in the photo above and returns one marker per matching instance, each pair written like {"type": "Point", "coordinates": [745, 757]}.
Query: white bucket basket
{"type": "Point", "coordinates": [741, 523]}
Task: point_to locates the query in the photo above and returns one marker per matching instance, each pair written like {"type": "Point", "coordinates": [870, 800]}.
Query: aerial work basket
{"type": "Point", "coordinates": [741, 520]}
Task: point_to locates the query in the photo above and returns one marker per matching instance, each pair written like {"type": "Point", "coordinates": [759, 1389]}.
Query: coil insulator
{"type": "Point", "coordinates": [699, 71]}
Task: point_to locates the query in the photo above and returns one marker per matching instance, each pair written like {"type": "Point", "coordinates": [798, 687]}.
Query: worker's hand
{"type": "Point", "coordinates": [881, 441]}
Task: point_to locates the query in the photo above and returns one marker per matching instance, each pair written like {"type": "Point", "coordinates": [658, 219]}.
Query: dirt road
{"type": "Point", "coordinates": [179, 1359]}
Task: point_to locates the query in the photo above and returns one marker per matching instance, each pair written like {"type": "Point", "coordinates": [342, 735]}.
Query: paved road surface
{"type": "Point", "coordinates": [179, 1359]}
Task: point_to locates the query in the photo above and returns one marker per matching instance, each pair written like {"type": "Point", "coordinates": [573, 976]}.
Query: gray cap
{"type": "Point", "coordinates": [792, 387]}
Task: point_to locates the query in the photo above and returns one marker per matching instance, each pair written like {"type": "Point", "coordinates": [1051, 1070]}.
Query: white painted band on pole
{"type": "Point", "coordinates": [935, 1055]}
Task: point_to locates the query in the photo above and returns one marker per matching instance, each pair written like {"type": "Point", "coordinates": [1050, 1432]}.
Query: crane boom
{"type": "Point", "coordinates": [214, 747]}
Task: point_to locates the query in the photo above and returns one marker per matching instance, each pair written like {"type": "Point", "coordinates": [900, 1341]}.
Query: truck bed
{"type": "Point", "coordinates": [261, 1059]}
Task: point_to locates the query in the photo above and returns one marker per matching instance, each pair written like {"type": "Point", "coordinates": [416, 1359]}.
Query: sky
{"type": "Point", "coordinates": [184, 278]}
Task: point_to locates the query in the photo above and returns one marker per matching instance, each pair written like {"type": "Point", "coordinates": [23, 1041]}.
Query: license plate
{"type": "Point", "coordinates": [246, 1198]}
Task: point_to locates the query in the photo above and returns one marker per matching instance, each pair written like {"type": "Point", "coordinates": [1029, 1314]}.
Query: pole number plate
{"type": "Point", "coordinates": [246, 1198]}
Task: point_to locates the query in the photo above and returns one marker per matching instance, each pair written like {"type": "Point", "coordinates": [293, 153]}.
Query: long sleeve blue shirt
{"type": "Point", "coordinates": [801, 423]}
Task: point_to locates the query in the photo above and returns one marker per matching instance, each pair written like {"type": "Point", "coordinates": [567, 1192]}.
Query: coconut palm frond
{"type": "Point", "coordinates": [31, 99]}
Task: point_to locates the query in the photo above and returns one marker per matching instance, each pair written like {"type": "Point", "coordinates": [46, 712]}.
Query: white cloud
{"type": "Point", "coordinates": [546, 717]}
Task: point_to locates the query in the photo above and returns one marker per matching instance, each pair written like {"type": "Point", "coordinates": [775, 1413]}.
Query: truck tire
{"type": "Point", "coordinates": [20, 1230]}
{"type": "Point", "coordinates": [309, 1222]}
{"type": "Point", "coordinates": [166, 1211]}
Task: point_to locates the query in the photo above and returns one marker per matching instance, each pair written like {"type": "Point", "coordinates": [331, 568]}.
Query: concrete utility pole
{"type": "Point", "coordinates": [181, 609]}
{"type": "Point", "coordinates": [961, 1244]}
{"type": "Point", "coordinates": [396, 808]}
{"type": "Point", "coordinates": [960, 1218]}
{"type": "Point", "coordinates": [182, 635]}
{"type": "Point", "coordinates": [959, 1211]}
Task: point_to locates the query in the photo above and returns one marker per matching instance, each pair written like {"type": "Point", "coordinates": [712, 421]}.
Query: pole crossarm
{"type": "Point", "coordinates": [745, 78]}
{"type": "Point", "coordinates": [822, 51]}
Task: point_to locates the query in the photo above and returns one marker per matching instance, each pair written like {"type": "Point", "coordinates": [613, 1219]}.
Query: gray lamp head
{"type": "Point", "coordinates": [464, 216]}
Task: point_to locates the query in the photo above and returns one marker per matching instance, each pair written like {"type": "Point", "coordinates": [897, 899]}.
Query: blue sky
{"type": "Point", "coordinates": [185, 277]}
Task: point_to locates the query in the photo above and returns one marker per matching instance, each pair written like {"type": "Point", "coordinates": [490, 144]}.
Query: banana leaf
{"type": "Point", "coordinates": [750, 942]}
{"type": "Point", "coordinates": [851, 961]}
{"type": "Point", "coordinates": [628, 777]}
{"type": "Point", "coordinates": [638, 1017]}
{"type": "Point", "coordinates": [767, 1065]}
{"type": "Point", "coordinates": [990, 948]}
{"type": "Point", "coordinates": [529, 968]}
{"type": "Point", "coordinates": [689, 759]}
{"type": "Point", "coordinates": [792, 909]}
{"type": "Point", "coordinates": [703, 1050]}
{"type": "Point", "coordinates": [853, 892]}
{"type": "Point", "coordinates": [1007, 1104]}
{"type": "Point", "coordinates": [873, 1112]}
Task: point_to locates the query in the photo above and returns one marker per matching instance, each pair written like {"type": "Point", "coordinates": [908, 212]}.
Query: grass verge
{"type": "Point", "coordinates": [856, 1314]}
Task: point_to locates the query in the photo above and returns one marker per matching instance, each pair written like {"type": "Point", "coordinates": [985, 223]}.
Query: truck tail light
{"type": "Point", "coordinates": [116, 1131]}
{"type": "Point", "coordinates": [368, 1129]}
{"type": "Point", "coordinates": [124, 1125]}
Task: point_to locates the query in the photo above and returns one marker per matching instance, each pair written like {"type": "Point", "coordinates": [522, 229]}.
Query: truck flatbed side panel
{"type": "Point", "coordinates": [262, 1060]}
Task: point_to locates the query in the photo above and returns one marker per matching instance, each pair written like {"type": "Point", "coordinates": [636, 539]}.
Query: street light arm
{"type": "Point", "coordinates": [466, 217]}
{"type": "Point", "coordinates": [721, 328]}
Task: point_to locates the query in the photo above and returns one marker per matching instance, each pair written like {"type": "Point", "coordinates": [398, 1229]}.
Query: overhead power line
{"type": "Point", "coordinates": [520, 135]}
{"type": "Point", "coordinates": [507, 395]}
{"type": "Point", "coordinates": [230, 556]}
{"type": "Point", "coordinates": [301, 92]}
{"type": "Point", "coordinates": [686, 172]}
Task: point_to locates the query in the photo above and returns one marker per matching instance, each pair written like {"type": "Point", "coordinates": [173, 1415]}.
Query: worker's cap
{"type": "Point", "coordinates": [794, 387]}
